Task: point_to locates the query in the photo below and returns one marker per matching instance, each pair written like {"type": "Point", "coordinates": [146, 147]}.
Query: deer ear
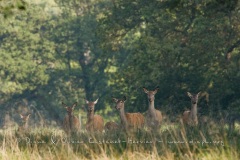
{"type": "Point", "coordinates": [156, 90]}
{"type": "Point", "coordinates": [124, 98]}
{"type": "Point", "coordinates": [115, 99]}
{"type": "Point", "coordinates": [95, 102]}
{"type": "Point", "coordinates": [189, 94]}
{"type": "Point", "coordinates": [64, 105]}
{"type": "Point", "coordinates": [199, 93]}
{"type": "Point", "coordinates": [28, 115]}
{"type": "Point", "coordinates": [21, 116]}
{"type": "Point", "coordinates": [145, 90]}
{"type": "Point", "coordinates": [74, 105]}
{"type": "Point", "coordinates": [86, 101]}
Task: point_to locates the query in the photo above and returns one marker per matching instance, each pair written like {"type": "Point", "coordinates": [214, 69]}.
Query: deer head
{"type": "Point", "coordinates": [119, 102]}
{"type": "Point", "coordinates": [151, 94]}
{"type": "Point", "coordinates": [69, 108]}
{"type": "Point", "coordinates": [24, 118]}
{"type": "Point", "coordinates": [194, 97]}
{"type": "Point", "coordinates": [91, 105]}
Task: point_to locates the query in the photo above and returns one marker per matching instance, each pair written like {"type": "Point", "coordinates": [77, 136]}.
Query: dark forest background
{"type": "Point", "coordinates": [68, 50]}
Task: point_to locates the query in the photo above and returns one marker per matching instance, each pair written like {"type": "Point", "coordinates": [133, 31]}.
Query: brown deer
{"type": "Point", "coordinates": [128, 120]}
{"type": "Point", "coordinates": [24, 123]}
{"type": "Point", "coordinates": [190, 117]}
{"type": "Point", "coordinates": [94, 122]}
{"type": "Point", "coordinates": [111, 126]}
{"type": "Point", "coordinates": [71, 123]}
{"type": "Point", "coordinates": [153, 116]}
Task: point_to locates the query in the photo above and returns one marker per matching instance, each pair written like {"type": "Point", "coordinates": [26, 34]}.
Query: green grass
{"type": "Point", "coordinates": [171, 142]}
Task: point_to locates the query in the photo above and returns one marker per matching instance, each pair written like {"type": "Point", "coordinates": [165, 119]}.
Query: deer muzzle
{"type": "Point", "coordinates": [117, 107]}
{"type": "Point", "coordinates": [150, 99]}
{"type": "Point", "coordinates": [90, 110]}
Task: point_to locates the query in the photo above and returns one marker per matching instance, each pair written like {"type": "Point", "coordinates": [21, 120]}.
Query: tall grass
{"type": "Point", "coordinates": [171, 142]}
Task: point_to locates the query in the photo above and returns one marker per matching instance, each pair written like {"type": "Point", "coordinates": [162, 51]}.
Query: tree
{"type": "Point", "coordinates": [25, 55]}
{"type": "Point", "coordinates": [78, 46]}
{"type": "Point", "coordinates": [179, 45]}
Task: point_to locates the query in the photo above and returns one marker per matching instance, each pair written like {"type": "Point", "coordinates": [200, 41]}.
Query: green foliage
{"type": "Point", "coordinates": [70, 50]}
{"type": "Point", "coordinates": [178, 45]}
{"type": "Point", "coordinates": [25, 54]}
{"type": "Point", "coordinates": [11, 7]}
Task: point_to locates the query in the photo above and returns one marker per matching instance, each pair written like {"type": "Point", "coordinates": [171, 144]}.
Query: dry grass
{"type": "Point", "coordinates": [172, 142]}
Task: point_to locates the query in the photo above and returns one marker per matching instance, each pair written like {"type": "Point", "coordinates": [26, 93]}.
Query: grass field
{"type": "Point", "coordinates": [171, 142]}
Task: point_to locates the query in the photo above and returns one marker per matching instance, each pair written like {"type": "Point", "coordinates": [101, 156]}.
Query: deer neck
{"type": "Point", "coordinates": [193, 112]}
{"type": "Point", "coordinates": [70, 116]}
{"type": "Point", "coordinates": [123, 117]}
{"type": "Point", "coordinates": [25, 125]}
{"type": "Point", "coordinates": [90, 116]}
{"type": "Point", "coordinates": [151, 109]}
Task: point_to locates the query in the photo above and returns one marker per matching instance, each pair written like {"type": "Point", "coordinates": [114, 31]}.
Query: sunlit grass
{"type": "Point", "coordinates": [173, 141]}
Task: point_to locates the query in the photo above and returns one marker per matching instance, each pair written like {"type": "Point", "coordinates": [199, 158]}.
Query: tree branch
{"type": "Point", "coordinates": [230, 49]}
{"type": "Point", "coordinates": [235, 45]}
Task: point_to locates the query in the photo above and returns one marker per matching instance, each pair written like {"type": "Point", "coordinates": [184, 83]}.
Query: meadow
{"type": "Point", "coordinates": [172, 141]}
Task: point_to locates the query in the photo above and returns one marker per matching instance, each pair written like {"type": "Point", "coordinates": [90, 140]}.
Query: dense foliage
{"type": "Point", "coordinates": [69, 50]}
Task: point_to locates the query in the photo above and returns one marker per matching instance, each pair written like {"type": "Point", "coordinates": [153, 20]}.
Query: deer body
{"type": "Point", "coordinates": [71, 123]}
{"type": "Point", "coordinates": [24, 124]}
{"type": "Point", "coordinates": [153, 116]}
{"type": "Point", "coordinates": [190, 117]}
{"type": "Point", "coordinates": [111, 126]}
{"type": "Point", "coordinates": [129, 120]}
{"type": "Point", "coordinates": [94, 122]}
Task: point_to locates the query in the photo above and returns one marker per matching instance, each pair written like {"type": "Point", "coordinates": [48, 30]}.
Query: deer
{"type": "Point", "coordinates": [94, 122]}
{"type": "Point", "coordinates": [153, 116]}
{"type": "Point", "coordinates": [129, 121]}
{"type": "Point", "coordinates": [190, 117]}
{"type": "Point", "coordinates": [71, 123]}
{"type": "Point", "coordinates": [24, 123]}
{"type": "Point", "coordinates": [111, 126]}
